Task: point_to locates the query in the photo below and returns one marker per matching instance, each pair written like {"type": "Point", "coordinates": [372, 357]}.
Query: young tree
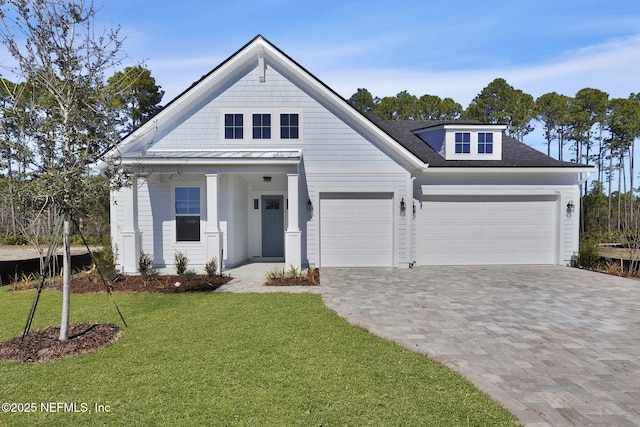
{"type": "Point", "coordinates": [136, 95]}
{"type": "Point", "coordinates": [57, 50]}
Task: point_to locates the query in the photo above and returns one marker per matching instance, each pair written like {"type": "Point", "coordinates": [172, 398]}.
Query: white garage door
{"type": "Point", "coordinates": [486, 230]}
{"type": "Point", "coordinates": [356, 230]}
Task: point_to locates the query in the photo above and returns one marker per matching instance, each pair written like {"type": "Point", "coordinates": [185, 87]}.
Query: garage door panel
{"type": "Point", "coordinates": [486, 230]}
{"type": "Point", "coordinates": [356, 229]}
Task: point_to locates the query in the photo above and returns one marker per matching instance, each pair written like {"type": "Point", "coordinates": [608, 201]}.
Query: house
{"type": "Point", "coordinates": [259, 160]}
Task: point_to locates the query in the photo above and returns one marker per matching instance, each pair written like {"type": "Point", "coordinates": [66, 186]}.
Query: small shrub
{"type": "Point", "coordinates": [180, 261]}
{"type": "Point", "coordinates": [15, 240]}
{"type": "Point", "coordinates": [293, 272]}
{"type": "Point", "coordinates": [293, 276]}
{"type": "Point", "coordinates": [588, 256]}
{"type": "Point", "coordinates": [313, 275]}
{"type": "Point", "coordinates": [145, 266]}
{"type": "Point", "coordinates": [211, 267]}
{"type": "Point", "coordinates": [104, 262]}
{"type": "Point", "coordinates": [190, 274]}
{"type": "Point", "coordinates": [613, 268]}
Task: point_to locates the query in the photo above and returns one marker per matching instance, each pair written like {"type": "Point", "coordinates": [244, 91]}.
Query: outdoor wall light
{"type": "Point", "coordinates": [570, 207]}
{"type": "Point", "coordinates": [309, 205]}
{"type": "Point", "coordinates": [403, 206]}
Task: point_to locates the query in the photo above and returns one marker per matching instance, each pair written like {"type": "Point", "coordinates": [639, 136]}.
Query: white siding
{"type": "Point", "coordinates": [325, 136]}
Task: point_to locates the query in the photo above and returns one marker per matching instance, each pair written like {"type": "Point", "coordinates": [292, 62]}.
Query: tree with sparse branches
{"type": "Point", "coordinates": [59, 51]}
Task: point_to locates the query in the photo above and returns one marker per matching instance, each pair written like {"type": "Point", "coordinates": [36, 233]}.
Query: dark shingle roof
{"type": "Point", "coordinates": [514, 153]}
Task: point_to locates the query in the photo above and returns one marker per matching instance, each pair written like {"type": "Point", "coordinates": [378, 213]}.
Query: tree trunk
{"type": "Point", "coordinates": [66, 278]}
{"type": "Point", "coordinates": [632, 153]}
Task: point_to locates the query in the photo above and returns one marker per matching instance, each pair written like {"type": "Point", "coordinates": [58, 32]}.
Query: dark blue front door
{"type": "Point", "coordinates": [272, 226]}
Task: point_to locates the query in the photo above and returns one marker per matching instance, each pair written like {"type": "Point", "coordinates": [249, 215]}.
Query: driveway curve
{"type": "Point", "coordinates": [556, 345]}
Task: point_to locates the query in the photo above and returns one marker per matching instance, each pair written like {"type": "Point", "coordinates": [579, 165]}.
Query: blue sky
{"type": "Point", "coordinates": [450, 49]}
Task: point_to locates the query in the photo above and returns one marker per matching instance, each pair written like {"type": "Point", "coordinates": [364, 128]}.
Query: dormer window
{"type": "Point", "coordinates": [463, 143]}
{"type": "Point", "coordinates": [485, 143]}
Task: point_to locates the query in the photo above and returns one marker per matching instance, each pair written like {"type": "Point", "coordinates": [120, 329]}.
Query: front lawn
{"type": "Point", "coordinates": [230, 359]}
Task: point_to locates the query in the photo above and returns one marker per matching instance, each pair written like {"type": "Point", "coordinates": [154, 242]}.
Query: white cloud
{"type": "Point", "coordinates": [611, 67]}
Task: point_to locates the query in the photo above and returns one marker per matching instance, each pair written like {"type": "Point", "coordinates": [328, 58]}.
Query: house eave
{"type": "Point", "coordinates": [508, 170]}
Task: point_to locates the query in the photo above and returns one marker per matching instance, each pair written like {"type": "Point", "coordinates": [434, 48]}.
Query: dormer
{"type": "Point", "coordinates": [455, 141]}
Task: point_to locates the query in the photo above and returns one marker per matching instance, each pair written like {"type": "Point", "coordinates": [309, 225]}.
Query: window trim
{"type": "Point", "coordinates": [183, 215]}
{"type": "Point", "coordinates": [276, 124]}
{"type": "Point", "coordinates": [465, 142]}
{"type": "Point", "coordinates": [234, 127]}
{"type": "Point", "coordinates": [289, 127]}
{"type": "Point", "coordinates": [261, 127]}
{"type": "Point", "coordinates": [483, 145]}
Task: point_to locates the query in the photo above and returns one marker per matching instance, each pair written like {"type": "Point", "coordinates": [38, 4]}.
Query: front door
{"type": "Point", "coordinates": [272, 226]}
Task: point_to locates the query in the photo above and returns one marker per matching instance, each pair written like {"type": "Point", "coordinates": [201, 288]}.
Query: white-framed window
{"type": "Point", "coordinates": [262, 126]}
{"type": "Point", "coordinates": [187, 214]}
{"type": "Point", "coordinates": [289, 126]}
{"type": "Point", "coordinates": [463, 142]}
{"type": "Point", "coordinates": [485, 143]}
{"type": "Point", "coordinates": [233, 126]}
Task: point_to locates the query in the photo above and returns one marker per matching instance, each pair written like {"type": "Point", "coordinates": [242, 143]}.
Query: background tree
{"type": "Point", "coordinates": [362, 100]}
{"type": "Point", "coordinates": [387, 107]}
{"type": "Point", "coordinates": [624, 126]}
{"type": "Point", "coordinates": [59, 52]}
{"type": "Point", "coordinates": [406, 108]}
{"type": "Point", "coordinates": [500, 103]}
{"type": "Point", "coordinates": [432, 107]}
{"type": "Point", "coordinates": [136, 95]}
{"type": "Point", "coordinates": [552, 113]}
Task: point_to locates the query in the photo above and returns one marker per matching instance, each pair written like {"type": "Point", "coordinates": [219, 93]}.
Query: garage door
{"type": "Point", "coordinates": [486, 230]}
{"type": "Point", "coordinates": [356, 230]}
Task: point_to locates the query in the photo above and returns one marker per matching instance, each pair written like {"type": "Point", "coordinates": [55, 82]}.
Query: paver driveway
{"type": "Point", "coordinates": [555, 345]}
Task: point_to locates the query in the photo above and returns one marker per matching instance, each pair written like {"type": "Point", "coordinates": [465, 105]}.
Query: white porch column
{"type": "Point", "coordinates": [293, 235]}
{"type": "Point", "coordinates": [129, 250]}
{"type": "Point", "coordinates": [212, 233]}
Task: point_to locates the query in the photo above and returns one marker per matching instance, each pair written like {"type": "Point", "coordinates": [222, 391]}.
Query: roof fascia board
{"type": "Point", "coordinates": [461, 126]}
{"type": "Point", "coordinates": [508, 170]}
{"type": "Point", "coordinates": [210, 161]}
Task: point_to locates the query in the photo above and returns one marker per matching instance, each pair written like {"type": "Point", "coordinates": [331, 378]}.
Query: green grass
{"type": "Point", "coordinates": [233, 359]}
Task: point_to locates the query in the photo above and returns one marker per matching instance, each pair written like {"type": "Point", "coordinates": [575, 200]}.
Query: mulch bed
{"type": "Point", "coordinates": [84, 283]}
{"type": "Point", "coordinates": [42, 345]}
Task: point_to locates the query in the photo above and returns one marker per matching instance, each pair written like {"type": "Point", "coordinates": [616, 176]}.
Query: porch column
{"type": "Point", "coordinates": [130, 235]}
{"type": "Point", "coordinates": [212, 233]}
{"type": "Point", "coordinates": [293, 235]}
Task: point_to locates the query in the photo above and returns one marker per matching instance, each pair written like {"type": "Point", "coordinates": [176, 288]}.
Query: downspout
{"type": "Point", "coordinates": [583, 180]}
